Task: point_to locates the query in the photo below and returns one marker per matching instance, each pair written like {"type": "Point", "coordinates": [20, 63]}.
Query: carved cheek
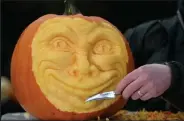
{"type": "Point", "coordinates": [105, 55]}
{"type": "Point", "coordinates": [62, 59]}
{"type": "Point", "coordinates": [101, 61]}
{"type": "Point", "coordinates": [58, 53]}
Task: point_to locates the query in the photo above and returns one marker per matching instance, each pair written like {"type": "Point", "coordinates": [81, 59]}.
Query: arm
{"type": "Point", "coordinates": [175, 94]}
{"type": "Point", "coordinates": [150, 47]}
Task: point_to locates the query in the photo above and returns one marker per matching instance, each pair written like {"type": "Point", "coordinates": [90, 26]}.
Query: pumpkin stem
{"type": "Point", "coordinates": [70, 8]}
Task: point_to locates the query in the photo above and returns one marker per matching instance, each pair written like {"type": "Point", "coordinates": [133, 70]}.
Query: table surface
{"type": "Point", "coordinates": [17, 116]}
{"type": "Point", "coordinates": [24, 116]}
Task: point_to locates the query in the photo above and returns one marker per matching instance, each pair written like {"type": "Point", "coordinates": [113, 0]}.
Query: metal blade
{"type": "Point", "coordinates": [102, 96]}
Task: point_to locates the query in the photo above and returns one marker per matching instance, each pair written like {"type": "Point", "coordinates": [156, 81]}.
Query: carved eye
{"type": "Point", "coordinates": [60, 44]}
{"type": "Point", "coordinates": [103, 47]}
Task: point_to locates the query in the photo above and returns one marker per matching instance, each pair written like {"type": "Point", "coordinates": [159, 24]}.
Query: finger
{"type": "Point", "coordinates": [143, 90]}
{"type": "Point", "coordinates": [147, 96]}
{"type": "Point", "coordinates": [133, 87]}
{"type": "Point", "coordinates": [126, 81]}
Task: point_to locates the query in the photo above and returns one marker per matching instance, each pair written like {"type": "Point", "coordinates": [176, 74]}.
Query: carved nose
{"type": "Point", "coordinates": [80, 66]}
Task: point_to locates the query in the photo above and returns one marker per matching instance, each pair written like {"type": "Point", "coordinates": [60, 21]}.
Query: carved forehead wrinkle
{"type": "Point", "coordinates": [65, 25]}
{"type": "Point", "coordinates": [77, 23]}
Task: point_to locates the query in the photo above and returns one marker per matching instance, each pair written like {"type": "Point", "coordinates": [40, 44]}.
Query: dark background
{"type": "Point", "coordinates": [16, 15]}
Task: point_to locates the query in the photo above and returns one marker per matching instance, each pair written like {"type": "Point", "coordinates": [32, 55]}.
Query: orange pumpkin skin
{"type": "Point", "coordinates": [28, 92]}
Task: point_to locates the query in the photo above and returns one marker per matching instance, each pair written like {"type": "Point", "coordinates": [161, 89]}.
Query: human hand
{"type": "Point", "coordinates": [146, 82]}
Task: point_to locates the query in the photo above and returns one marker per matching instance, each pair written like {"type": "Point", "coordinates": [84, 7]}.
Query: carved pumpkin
{"type": "Point", "coordinates": [60, 61]}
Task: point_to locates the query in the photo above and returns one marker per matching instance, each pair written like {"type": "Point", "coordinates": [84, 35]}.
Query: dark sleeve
{"type": "Point", "coordinates": [151, 43]}
{"type": "Point", "coordinates": [175, 94]}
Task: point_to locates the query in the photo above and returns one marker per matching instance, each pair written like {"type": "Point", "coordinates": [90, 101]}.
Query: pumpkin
{"type": "Point", "coordinates": [61, 60]}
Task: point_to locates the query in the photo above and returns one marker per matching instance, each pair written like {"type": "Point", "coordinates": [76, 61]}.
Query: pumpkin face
{"type": "Point", "coordinates": [60, 61]}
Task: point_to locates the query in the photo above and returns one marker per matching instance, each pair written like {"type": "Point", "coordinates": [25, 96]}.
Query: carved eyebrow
{"type": "Point", "coordinates": [102, 33]}
{"type": "Point", "coordinates": [64, 33]}
{"type": "Point", "coordinates": [73, 32]}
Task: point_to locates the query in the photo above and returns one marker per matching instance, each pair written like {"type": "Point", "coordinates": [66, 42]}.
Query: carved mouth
{"type": "Point", "coordinates": [79, 95]}
{"type": "Point", "coordinates": [72, 88]}
{"type": "Point", "coordinates": [86, 81]}
{"type": "Point", "coordinates": [82, 83]}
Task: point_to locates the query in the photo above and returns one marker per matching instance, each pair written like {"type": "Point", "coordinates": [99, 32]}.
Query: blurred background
{"type": "Point", "coordinates": [17, 14]}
